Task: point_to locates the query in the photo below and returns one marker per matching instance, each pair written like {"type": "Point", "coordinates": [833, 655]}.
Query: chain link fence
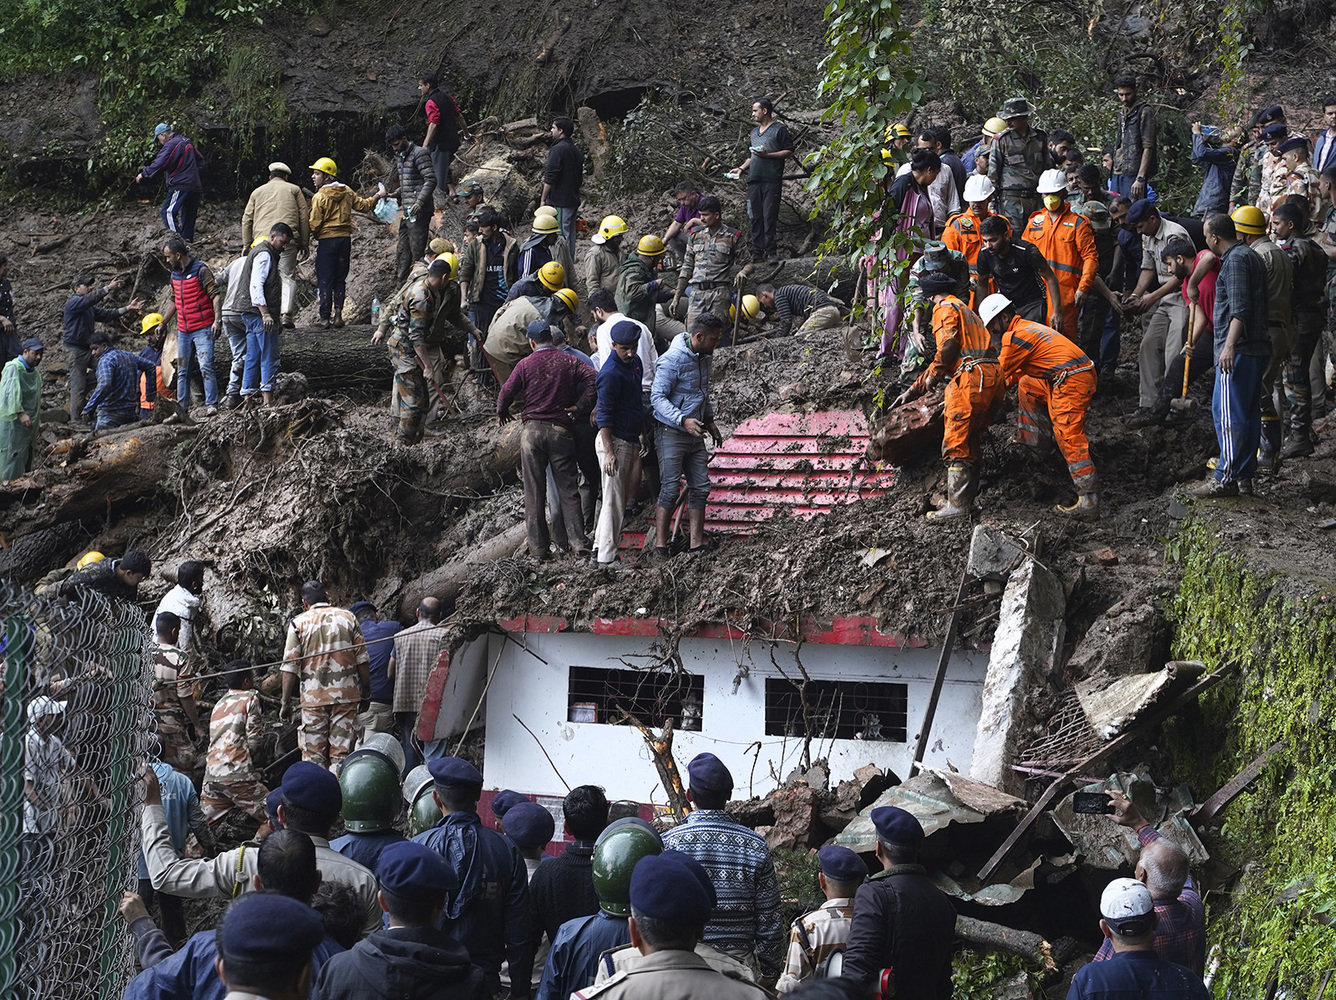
{"type": "Point", "coordinates": [75, 723]}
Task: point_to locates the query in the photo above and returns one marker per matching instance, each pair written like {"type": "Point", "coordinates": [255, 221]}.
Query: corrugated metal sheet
{"type": "Point", "coordinates": [803, 463]}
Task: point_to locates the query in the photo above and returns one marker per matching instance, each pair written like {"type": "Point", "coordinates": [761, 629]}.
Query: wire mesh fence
{"type": "Point", "coordinates": [75, 723]}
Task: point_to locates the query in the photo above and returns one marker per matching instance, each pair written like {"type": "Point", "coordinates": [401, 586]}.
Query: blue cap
{"type": "Point", "coordinates": [160, 128]}
{"type": "Point", "coordinates": [1139, 211]}
{"type": "Point", "coordinates": [33, 344]}
{"type": "Point", "coordinates": [361, 606]}
{"type": "Point", "coordinates": [309, 786]}
{"type": "Point", "coordinates": [841, 864]}
{"type": "Point", "coordinates": [529, 825]}
{"type": "Point", "coordinates": [413, 871]}
{"type": "Point", "coordinates": [663, 888]}
{"type": "Point", "coordinates": [697, 869]}
{"type": "Point", "coordinates": [896, 826]}
{"type": "Point", "coordinates": [1271, 114]}
{"type": "Point", "coordinates": [1276, 132]}
{"type": "Point", "coordinates": [264, 928]}
{"type": "Point", "coordinates": [624, 332]}
{"type": "Point", "coordinates": [455, 772]}
{"type": "Point", "coordinates": [536, 329]}
{"type": "Point", "coordinates": [271, 802]}
{"type": "Point", "coordinates": [708, 773]}
{"type": "Point", "coordinates": [1294, 142]}
{"type": "Point", "coordinates": [503, 800]}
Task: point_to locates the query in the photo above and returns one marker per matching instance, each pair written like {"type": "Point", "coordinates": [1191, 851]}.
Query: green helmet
{"type": "Point", "coordinates": [424, 813]}
{"type": "Point", "coordinates": [616, 852]}
{"type": "Point", "coordinates": [370, 793]}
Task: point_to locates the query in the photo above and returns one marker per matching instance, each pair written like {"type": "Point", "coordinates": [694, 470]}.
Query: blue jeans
{"type": "Point", "coordinates": [235, 325]}
{"type": "Point", "coordinates": [1237, 410]}
{"type": "Point", "coordinates": [333, 255]}
{"type": "Point", "coordinates": [261, 356]}
{"type": "Point", "coordinates": [680, 453]}
{"type": "Point", "coordinates": [566, 219]}
{"type": "Point", "coordinates": [195, 342]}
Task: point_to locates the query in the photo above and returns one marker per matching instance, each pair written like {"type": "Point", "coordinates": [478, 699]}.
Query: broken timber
{"type": "Point", "coordinates": [939, 678]}
{"type": "Point", "coordinates": [1207, 811]}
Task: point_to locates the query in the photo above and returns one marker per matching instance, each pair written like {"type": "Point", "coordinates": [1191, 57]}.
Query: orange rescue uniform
{"type": "Point", "coordinates": [1056, 384]}
{"type": "Point", "coordinates": [966, 362]}
{"type": "Point", "coordinates": [962, 235]}
{"type": "Point", "coordinates": [1068, 244]}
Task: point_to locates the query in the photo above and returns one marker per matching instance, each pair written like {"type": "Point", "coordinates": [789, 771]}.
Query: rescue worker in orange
{"type": "Point", "coordinates": [1056, 383]}
{"type": "Point", "coordinates": [962, 233]}
{"type": "Point", "coordinates": [967, 362]}
{"type": "Point", "coordinates": [1068, 244]}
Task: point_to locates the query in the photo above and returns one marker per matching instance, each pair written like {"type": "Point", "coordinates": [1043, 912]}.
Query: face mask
{"type": "Point", "coordinates": [1053, 201]}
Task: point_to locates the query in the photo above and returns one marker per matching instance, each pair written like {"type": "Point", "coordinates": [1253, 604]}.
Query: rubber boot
{"type": "Point", "coordinates": [1086, 508]}
{"type": "Point", "coordinates": [287, 322]}
{"type": "Point", "coordinates": [338, 316]}
{"type": "Point", "coordinates": [957, 503]}
{"type": "Point", "coordinates": [1268, 453]}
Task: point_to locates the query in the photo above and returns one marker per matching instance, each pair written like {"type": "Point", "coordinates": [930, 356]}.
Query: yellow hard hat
{"type": "Point", "coordinates": [545, 210]}
{"type": "Point", "coordinates": [994, 127]}
{"type": "Point", "coordinates": [545, 225]}
{"type": "Point", "coordinates": [326, 166]}
{"type": "Point", "coordinates": [568, 297]}
{"type": "Point", "coordinates": [751, 308]}
{"type": "Point", "coordinates": [888, 157]}
{"type": "Point", "coordinates": [88, 558]}
{"type": "Point", "coordinates": [650, 246]}
{"type": "Point", "coordinates": [452, 260]}
{"type": "Point", "coordinates": [897, 131]}
{"type": "Point", "coordinates": [612, 225]}
{"type": "Point", "coordinates": [149, 322]}
{"type": "Point", "coordinates": [553, 276]}
{"type": "Point", "coordinates": [1249, 219]}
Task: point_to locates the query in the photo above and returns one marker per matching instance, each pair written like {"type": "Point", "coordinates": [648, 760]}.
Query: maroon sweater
{"type": "Point", "coordinates": [549, 380]}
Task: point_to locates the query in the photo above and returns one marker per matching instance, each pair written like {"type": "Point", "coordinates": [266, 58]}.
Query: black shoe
{"type": "Point", "coordinates": [1297, 447]}
{"type": "Point", "coordinates": [1245, 487]}
{"type": "Point", "coordinates": [1145, 417]}
{"type": "Point", "coordinates": [1214, 488]}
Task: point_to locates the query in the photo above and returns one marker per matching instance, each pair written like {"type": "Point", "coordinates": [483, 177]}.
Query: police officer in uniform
{"type": "Point", "coordinates": [669, 909]}
{"type": "Point", "coordinates": [490, 913]}
{"type": "Point", "coordinates": [372, 801]}
{"type": "Point", "coordinates": [903, 926]}
{"type": "Point", "coordinates": [713, 251]}
{"type": "Point", "coordinates": [267, 942]}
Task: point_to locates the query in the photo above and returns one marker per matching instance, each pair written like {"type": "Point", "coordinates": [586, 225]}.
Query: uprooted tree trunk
{"type": "Point", "coordinates": [333, 361]}
{"type": "Point", "coordinates": [1032, 947]}
{"type": "Point", "coordinates": [445, 581]}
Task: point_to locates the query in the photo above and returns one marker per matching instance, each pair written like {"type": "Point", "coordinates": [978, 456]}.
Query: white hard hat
{"type": "Point", "coordinates": [991, 306]}
{"type": "Point", "coordinates": [978, 188]}
{"type": "Point", "coordinates": [1052, 182]}
{"type": "Point", "coordinates": [42, 706]}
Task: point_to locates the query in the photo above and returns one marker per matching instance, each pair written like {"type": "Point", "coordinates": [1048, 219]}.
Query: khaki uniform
{"type": "Point", "coordinates": [813, 939]}
{"type": "Point", "coordinates": [171, 683]}
{"type": "Point", "coordinates": [414, 319]}
{"type": "Point", "coordinates": [230, 777]}
{"type": "Point", "coordinates": [711, 261]}
{"type": "Point", "coordinates": [507, 336]}
{"type": "Point", "coordinates": [672, 975]}
{"type": "Point", "coordinates": [325, 650]}
{"type": "Point", "coordinates": [601, 268]}
{"type": "Point", "coordinates": [1014, 166]}
{"type": "Point", "coordinates": [277, 200]}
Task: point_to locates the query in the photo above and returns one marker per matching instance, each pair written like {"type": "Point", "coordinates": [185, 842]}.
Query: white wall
{"type": "Point", "coordinates": [617, 758]}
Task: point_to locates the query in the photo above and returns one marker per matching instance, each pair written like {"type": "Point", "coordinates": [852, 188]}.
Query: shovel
{"type": "Point", "coordinates": [1184, 403]}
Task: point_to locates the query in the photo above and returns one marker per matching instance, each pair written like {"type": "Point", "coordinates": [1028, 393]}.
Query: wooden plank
{"type": "Point", "coordinates": [1206, 812]}
{"type": "Point", "coordinates": [939, 678]}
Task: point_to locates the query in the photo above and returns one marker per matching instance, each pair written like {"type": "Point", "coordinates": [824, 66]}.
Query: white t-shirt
{"type": "Point", "coordinates": [649, 357]}
{"type": "Point", "coordinates": [184, 605]}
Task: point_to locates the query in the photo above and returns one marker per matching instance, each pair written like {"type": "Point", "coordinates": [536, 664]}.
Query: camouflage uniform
{"type": "Point", "coordinates": [1014, 167]}
{"type": "Point", "coordinates": [1247, 182]}
{"type": "Point", "coordinates": [230, 777]}
{"type": "Point", "coordinates": [813, 939]}
{"type": "Point", "coordinates": [325, 649]}
{"type": "Point", "coordinates": [1303, 180]}
{"type": "Point", "coordinates": [708, 266]}
{"type": "Point", "coordinates": [172, 682]}
{"type": "Point", "coordinates": [414, 317]}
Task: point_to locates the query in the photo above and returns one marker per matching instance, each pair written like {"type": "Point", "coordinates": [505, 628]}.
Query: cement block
{"type": "Point", "coordinates": [1025, 652]}
{"type": "Point", "coordinates": [992, 554]}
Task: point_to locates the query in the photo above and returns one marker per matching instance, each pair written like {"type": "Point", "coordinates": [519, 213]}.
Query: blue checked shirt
{"type": "Point", "coordinates": [746, 914]}
{"type": "Point", "coordinates": [117, 392]}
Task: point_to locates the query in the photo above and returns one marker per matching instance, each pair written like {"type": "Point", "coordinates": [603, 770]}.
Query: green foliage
{"type": "Point", "coordinates": [799, 891]}
{"type": "Point", "coordinates": [978, 975]}
{"type": "Point", "coordinates": [1280, 834]}
{"type": "Point", "coordinates": [869, 82]}
{"type": "Point", "coordinates": [148, 54]}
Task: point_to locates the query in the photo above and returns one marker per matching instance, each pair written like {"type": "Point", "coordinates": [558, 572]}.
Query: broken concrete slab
{"type": "Point", "coordinates": [1112, 706]}
{"type": "Point", "coordinates": [868, 782]}
{"type": "Point", "coordinates": [795, 823]}
{"type": "Point", "coordinates": [993, 554]}
{"type": "Point", "coordinates": [1132, 637]}
{"type": "Point", "coordinates": [1026, 648]}
{"type": "Point", "coordinates": [937, 799]}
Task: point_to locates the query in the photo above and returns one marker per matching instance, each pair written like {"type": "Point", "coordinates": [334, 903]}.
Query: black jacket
{"type": "Point", "coordinates": [421, 963]}
{"type": "Point", "coordinates": [563, 889]}
{"type": "Point", "coordinates": [902, 921]}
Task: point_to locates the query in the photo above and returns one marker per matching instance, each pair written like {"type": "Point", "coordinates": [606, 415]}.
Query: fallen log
{"type": "Point", "coordinates": [445, 582]}
{"type": "Point", "coordinates": [1029, 946]}
{"type": "Point", "coordinates": [333, 361]}
{"type": "Point", "coordinates": [905, 432]}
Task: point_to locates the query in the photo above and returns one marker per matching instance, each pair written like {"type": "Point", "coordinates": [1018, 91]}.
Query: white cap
{"type": "Point", "coordinates": [978, 188]}
{"type": "Point", "coordinates": [991, 306]}
{"type": "Point", "coordinates": [1052, 182]}
{"type": "Point", "coordinates": [42, 706]}
{"type": "Point", "coordinates": [280, 165]}
{"type": "Point", "coordinates": [1126, 904]}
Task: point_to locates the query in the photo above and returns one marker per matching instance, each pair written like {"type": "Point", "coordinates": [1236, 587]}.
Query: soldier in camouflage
{"type": "Point", "coordinates": [415, 363]}
{"type": "Point", "coordinates": [174, 708]}
{"type": "Point", "coordinates": [326, 651]}
{"type": "Point", "coordinates": [231, 778]}
{"type": "Point", "coordinates": [713, 252]}
{"type": "Point", "coordinates": [1019, 155]}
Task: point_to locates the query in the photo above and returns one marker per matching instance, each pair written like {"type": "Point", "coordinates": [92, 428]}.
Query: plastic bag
{"type": "Point", "coordinates": [386, 209]}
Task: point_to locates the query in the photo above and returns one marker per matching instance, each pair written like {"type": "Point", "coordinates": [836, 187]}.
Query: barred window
{"type": "Point", "coordinates": [622, 697]}
{"type": "Point", "coordinates": [843, 710]}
